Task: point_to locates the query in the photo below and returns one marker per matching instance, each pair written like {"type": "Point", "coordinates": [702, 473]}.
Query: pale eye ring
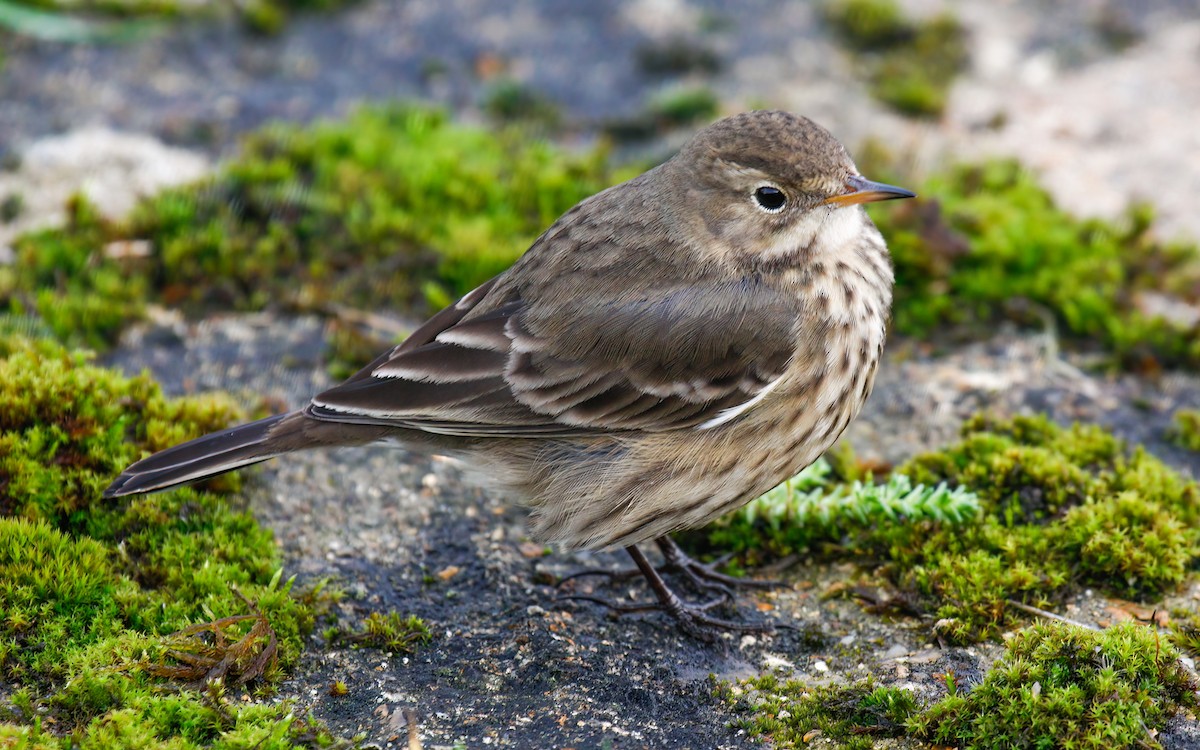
{"type": "Point", "coordinates": [770, 198]}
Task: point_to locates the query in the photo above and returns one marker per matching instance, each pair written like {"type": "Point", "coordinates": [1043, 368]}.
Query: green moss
{"type": "Point", "coordinates": [677, 56]}
{"type": "Point", "coordinates": [910, 65]}
{"type": "Point", "coordinates": [1063, 508]}
{"type": "Point", "coordinates": [58, 19]}
{"type": "Point", "coordinates": [399, 209]}
{"type": "Point", "coordinates": [675, 107]}
{"type": "Point", "coordinates": [1062, 686]}
{"type": "Point", "coordinates": [105, 602]}
{"type": "Point", "coordinates": [683, 105]}
{"type": "Point", "coordinates": [386, 209]}
{"type": "Point", "coordinates": [1186, 430]}
{"type": "Point", "coordinates": [1049, 510]}
{"type": "Point", "coordinates": [866, 25]}
{"type": "Point", "coordinates": [791, 714]}
{"type": "Point", "coordinates": [392, 632]}
{"type": "Point", "coordinates": [13, 204]}
{"type": "Point", "coordinates": [509, 101]}
{"type": "Point", "coordinates": [1055, 686]}
{"type": "Point", "coordinates": [1185, 631]}
{"type": "Point", "coordinates": [987, 242]}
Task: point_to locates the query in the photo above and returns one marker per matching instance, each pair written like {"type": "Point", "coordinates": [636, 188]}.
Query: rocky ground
{"type": "Point", "coordinates": [511, 664]}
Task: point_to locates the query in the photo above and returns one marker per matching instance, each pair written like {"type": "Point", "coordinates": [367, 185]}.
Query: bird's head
{"type": "Point", "coordinates": [764, 183]}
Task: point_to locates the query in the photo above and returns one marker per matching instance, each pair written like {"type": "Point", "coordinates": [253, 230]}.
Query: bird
{"type": "Point", "coordinates": [667, 350]}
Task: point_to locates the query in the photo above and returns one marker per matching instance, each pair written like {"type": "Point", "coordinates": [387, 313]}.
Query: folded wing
{"type": "Point", "coordinates": [497, 364]}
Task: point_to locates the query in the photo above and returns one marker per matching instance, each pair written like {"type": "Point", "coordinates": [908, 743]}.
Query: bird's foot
{"type": "Point", "coordinates": [693, 618]}
{"type": "Point", "coordinates": [703, 577]}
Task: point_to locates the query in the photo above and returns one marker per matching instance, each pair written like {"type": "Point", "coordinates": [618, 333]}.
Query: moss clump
{"type": "Point", "coordinates": [681, 106]}
{"type": "Point", "coordinates": [909, 64]}
{"type": "Point", "coordinates": [13, 204]}
{"type": "Point", "coordinates": [984, 242]}
{"type": "Point", "coordinates": [791, 714]}
{"type": "Point", "coordinates": [105, 602]}
{"type": "Point", "coordinates": [1063, 508]}
{"type": "Point", "coordinates": [509, 101]}
{"type": "Point", "coordinates": [1051, 509]}
{"type": "Point", "coordinates": [1186, 430]}
{"type": "Point", "coordinates": [389, 208]}
{"type": "Point", "coordinates": [261, 16]}
{"type": "Point", "coordinates": [392, 632]}
{"type": "Point", "coordinates": [675, 107]}
{"type": "Point", "coordinates": [677, 56]}
{"type": "Point", "coordinates": [1063, 686]}
{"type": "Point", "coordinates": [1055, 686]}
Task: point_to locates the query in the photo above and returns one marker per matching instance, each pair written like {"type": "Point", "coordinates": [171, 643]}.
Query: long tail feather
{"type": "Point", "coordinates": [215, 454]}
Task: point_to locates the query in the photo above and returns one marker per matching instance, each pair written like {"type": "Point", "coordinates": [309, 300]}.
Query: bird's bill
{"type": "Point", "coordinates": [862, 190]}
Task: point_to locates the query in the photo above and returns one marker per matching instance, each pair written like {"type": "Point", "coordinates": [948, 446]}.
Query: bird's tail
{"type": "Point", "coordinates": [226, 450]}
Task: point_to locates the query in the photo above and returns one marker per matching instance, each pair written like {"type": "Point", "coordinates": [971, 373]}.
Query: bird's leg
{"type": "Point", "coordinates": [692, 618]}
{"type": "Point", "coordinates": [704, 576]}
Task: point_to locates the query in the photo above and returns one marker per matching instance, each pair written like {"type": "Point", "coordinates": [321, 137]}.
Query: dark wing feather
{"type": "Point", "coordinates": [658, 359]}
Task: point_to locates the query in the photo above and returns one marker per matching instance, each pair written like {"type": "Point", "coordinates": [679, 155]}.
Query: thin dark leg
{"type": "Point", "coordinates": [691, 617]}
{"type": "Point", "coordinates": [702, 576]}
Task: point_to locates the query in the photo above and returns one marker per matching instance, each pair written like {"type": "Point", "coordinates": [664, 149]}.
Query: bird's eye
{"type": "Point", "coordinates": [770, 199]}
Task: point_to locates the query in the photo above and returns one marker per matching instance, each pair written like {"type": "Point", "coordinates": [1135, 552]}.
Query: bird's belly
{"type": "Point", "coordinates": [771, 445]}
{"type": "Point", "coordinates": [685, 483]}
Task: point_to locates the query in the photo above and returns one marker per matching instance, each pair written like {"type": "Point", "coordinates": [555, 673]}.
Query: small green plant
{"type": "Point", "coordinates": [792, 713]}
{"type": "Point", "coordinates": [807, 510]}
{"type": "Point", "coordinates": [675, 107]}
{"type": "Point", "coordinates": [1062, 508]}
{"type": "Point", "coordinates": [1186, 430]}
{"type": "Point", "coordinates": [392, 632]}
{"type": "Point", "coordinates": [681, 106]}
{"type": "Point", "coordinates": [13, 204]}
{"type": "Point", "coordinates": [909, 64]}
{"type": "Point", "coordinates": [677, 56]}
{"type": "Point", "coordinates": [508, 101]}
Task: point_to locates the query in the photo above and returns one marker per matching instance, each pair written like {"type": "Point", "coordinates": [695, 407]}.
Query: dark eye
{"type": "Point", "coordinates": [770, 198]}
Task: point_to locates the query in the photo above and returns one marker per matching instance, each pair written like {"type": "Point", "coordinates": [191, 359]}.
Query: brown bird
{"type": "Point", "coordinates": [666, 351]}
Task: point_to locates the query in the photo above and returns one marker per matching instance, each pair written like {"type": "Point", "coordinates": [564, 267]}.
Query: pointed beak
{"type": "Point", "coordinates": [861, 190]}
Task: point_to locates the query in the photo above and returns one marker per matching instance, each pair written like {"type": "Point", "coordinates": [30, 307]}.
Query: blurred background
{"type": "Point", "coordinates": [256, 196]}
{"type": "Point", "coordinates": [115, 101]}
